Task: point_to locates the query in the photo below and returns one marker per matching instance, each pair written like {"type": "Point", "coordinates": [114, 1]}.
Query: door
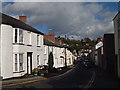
{"type": "Point", "coordinates": [29, 62]}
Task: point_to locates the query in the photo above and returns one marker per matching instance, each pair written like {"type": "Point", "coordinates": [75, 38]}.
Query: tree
{"type": "Point", "coordinates": [50, 61]}
{"type": "Point", "coordinates": [88, 40]}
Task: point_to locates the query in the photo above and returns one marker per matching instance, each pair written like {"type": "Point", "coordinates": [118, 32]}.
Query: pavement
{"type": "Point", "coordinates": [21, 81]}
{"type": "Point", "coordinates": [105, 80]}
{"type": "Point", "coordinates": [18, 81]}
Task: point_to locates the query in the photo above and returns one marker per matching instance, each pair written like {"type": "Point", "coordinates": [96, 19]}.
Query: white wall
{"type": "Point", "coordinates": [9, 49]}
{"type": "Point", "coordinates": [33, 48]}
{"type": "Point", "coordinates": [6, 51]}
{"type": "Point", "coordinates": [45, 55]}
{"type": "Point", "coordinates": [0, 50]}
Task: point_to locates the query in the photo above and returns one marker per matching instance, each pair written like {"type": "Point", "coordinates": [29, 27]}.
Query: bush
{"type": "Point", "coordinates": [53, 70]}
{"type": "Point", "coordinates": [50, 62]}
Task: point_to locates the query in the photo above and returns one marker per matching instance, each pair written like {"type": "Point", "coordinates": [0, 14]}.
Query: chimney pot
{"type": "Point", "coordinates": [23, 18]}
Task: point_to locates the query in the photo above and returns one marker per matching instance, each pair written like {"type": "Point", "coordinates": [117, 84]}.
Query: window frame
{"type": "Point", "coordinates": [38, 60]}
{"type": "Point", "coordinates": [21, 36]}
{"type": "Point", "coordinates": [18, 36]}
{"type": "Point", "coordinates": [20, 62]}
{"type": "Point", "coordinates": [16, 63]}
{"type": "Point", "coordinates": [38, 40]}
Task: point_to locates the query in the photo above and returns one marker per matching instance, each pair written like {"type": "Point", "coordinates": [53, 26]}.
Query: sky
{"type": "Point", "coordinates": [77, 20]}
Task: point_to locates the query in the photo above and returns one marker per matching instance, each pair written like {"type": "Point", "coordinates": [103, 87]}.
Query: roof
{"type": "Point", "coordinates": [17, 23]}
{"type": "Point", "coordinates": [116, 15]}
{"type": "Point", "coordinates": [51, 43]}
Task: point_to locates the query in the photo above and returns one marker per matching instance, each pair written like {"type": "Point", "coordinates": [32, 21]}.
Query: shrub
{"type": "Point", "coordinates": [50, 61]}
{"type": "Point", "coordinates": [54, 70]}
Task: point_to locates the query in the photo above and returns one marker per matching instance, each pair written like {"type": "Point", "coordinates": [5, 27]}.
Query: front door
{"type": "Point", "coordinates": [29, 62]}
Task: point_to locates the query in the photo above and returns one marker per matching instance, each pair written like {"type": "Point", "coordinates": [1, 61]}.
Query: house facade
{"type": "Point", "coordinates": [21, 48]}
{"type": "Point", "coordinates": [117, 40]}
{"type": "Point", "coordinates": [58, 53]}
{"type": "Point", "coordinates": [109, 61]}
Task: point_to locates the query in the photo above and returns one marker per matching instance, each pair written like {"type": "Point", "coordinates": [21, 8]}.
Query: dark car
{"type": "Point", "coordinates": [87, 63]}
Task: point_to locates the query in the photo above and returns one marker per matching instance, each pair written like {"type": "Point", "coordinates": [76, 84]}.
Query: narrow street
{"type": "Point", "coordinates": [78, 77]}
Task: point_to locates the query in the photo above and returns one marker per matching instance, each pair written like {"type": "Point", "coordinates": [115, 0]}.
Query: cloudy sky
{"type": "Point", "coordinates": [77, 19]}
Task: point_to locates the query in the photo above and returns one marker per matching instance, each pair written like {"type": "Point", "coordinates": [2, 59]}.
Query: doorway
{"type": "Point", "coordinates": [29, 62]}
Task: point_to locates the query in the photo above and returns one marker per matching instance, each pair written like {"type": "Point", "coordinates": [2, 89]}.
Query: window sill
{"type": "Point", "coordinates": [19, 71]}
{"type": "Point", "coordinates": [29, 45]}
{"type": "Point", "coordinates": [18, 44]}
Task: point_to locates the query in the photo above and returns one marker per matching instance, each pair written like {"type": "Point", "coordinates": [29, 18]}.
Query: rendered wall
{"type": "Point", "coordinates": [6, 51]}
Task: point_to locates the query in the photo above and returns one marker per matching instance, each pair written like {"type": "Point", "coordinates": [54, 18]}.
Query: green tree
{"type": "Point", "coordinates": [50, 61]}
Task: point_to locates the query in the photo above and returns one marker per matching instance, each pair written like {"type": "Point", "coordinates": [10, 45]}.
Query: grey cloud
{"type": "Point", "coordinates": [78, 19]}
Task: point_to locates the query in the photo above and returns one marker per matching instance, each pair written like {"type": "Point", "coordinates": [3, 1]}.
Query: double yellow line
{"type": "Point", "coordinates": [24, 82]}
{"type": "Point", "coordinates": [91, 80]}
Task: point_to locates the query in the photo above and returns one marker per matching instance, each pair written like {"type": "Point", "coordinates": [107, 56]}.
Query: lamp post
{"type": "Point", "coordinates": [65, 55]}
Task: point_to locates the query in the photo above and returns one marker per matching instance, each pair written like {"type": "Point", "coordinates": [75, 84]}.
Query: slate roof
{"type": "Point", "coordinates": [116, 15]}
{"type": "Point", "coordinates": [17, 23]}
{"type": "Point", "coordinates": [51, 43]}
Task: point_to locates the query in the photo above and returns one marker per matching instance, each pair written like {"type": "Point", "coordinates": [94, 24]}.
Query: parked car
{"type": "Point", "coordinates": [87, 63]}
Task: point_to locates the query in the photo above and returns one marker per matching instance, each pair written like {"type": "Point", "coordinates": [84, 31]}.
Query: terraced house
{"type": "Point", "coordinates": [23, 48]}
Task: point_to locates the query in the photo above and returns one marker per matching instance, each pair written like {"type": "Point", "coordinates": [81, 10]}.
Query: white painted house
{"type": "Point", "coordinates": [57, 50]}
{"type": "Point", "coordinates": [69, 58]}
{"type": "Point", "coordinates": [21, 48]}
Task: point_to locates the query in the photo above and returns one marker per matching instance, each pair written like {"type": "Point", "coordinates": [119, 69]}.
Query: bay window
{"type": "Point", "coordinates": [18, 62]}
{"type": "Point", "coordinates": [20, 36]}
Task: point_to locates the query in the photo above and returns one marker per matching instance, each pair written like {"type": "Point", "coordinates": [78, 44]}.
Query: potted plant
{"type": "Point", "coordinates": [35, 71]}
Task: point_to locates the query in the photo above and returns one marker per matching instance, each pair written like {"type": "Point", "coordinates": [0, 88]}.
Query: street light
{"type": "Point", "coordinates": [65, 55]}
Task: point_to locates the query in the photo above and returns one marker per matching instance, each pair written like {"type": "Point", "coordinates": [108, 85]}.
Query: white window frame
{"type": "Point", "coordinates": [38, 60]}
{"type": "Point", "coordinates": [45, 50]}
{"type": "Point", "coordinates": [15, 62]}
{"type": "Point", "coordinates": [38, 40]}
{"type": "Point", "coordinates": [21, 37]}
{"type": "Point", "coordinates": [18, 39]}
{"type": "Point", "coordinates": [20, 62]}
{"type": "Point", "coordinates": [15, 35]}
{"type": "Point", "coordinates": [30, 39]}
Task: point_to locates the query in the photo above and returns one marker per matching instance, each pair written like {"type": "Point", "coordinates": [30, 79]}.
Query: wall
{"type": "Point", "coordinates": [0, 50]}
{"type": "Point", "coordinates": [6, 51]}
{"type": "Point", "coordinates": [37, 50]}
{"type": "Point", "coordinates": [46, 55]}
{"type": "Point", "coordinates": [109, 53]}
{"type": "Point", "coordinates": [117, 42]}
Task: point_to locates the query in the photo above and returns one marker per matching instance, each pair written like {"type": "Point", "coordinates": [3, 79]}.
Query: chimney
{"type": "Point", "coordinates": [23, 18]}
